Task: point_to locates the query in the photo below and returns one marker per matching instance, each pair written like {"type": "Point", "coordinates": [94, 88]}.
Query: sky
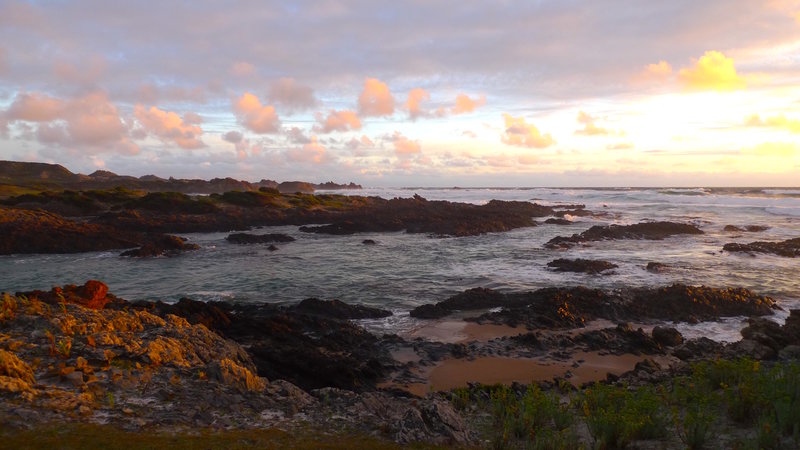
{"type": "Point", "coordinates": [410, 93]}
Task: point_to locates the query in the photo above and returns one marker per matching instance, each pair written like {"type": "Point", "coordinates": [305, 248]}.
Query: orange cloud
{"type": "Point", "coordinates": [376, 99]}
{"type": "Point", "coordinates": [656, 72]}
{"type": "Point", "coordinates": [780, 121]}
{"type": "Point", "coordinates": [589, 127]}
{"type": "Point", "coordinates": [403, 146]}
{"type": "Point", "coordinates": [522, 134]}
{"type": "Point", "coordinates": [414, 102]}
{"type": "Point", "coordinates": [338, 121]}
{"type": "Point", "coordinates": [464, 104]}
{"type": "Point", "coordinates": [169, 127]}
{"type": "Point", "coordinates": [313, 152]}
{"type": "Point", "coordinates": [713, 71]}
{"type": "Point", "coordinates": [255, 116]}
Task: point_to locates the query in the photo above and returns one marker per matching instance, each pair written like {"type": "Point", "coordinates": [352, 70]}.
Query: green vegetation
{"type": "Point", "coordinates": [173, 202]}
{"type": "Point", "coordinates": [82, 436]}
{"type": "Point", "coordinates": [249, 198]}
{"type": "Point", "coordinates": [743, 402]}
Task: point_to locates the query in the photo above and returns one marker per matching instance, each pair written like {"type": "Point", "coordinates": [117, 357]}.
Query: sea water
{"type": "Point", "coordinates": [405, 270]}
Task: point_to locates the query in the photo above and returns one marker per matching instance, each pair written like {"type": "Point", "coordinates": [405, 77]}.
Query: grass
{"type": "Point", "coordinates": [743, 402]}
{"type": "Point", "coordinates": [82, 436]}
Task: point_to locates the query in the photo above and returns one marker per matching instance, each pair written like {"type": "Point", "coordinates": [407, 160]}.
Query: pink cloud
{"type": "Point", "coordinates": [254, 116]}
{"type": "Point", "coordinates": [313, 152]}
{"type": "Point", "coordinates": [403, 146]}
{"type": "Point", "coordinates": [242, 69]}
{"type": "Point", "coordinates": [297, 136]}
{"type": "Point", "coordinates": [169, 127]}
{"type": "Point", "coordinates": [150, 93]}
{"type": "Point", "coordinates": [88, 71]}
{"type": "Point", "coordinates": [656, 72]}
{"type": "Point", "coordinates": [414, 102]}
{"type": "Point", "coordinates": [338, 121]}
{"type": "Point", "coordinates": [464, 104]}
{"type": "Point", "coordinates": [289, 93]}
{"type": "Point", "coordinates": [91, 121]}
{"type": "Point", "coordinates": [35, 107]}
{"type": "Point", "coordinates": [376, 99]}
{"type": "Point", "coordinates": [523, 134]}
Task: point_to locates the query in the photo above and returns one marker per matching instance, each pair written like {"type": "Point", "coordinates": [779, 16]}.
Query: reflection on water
{"type": "Point", "coordinates": [404, 270]}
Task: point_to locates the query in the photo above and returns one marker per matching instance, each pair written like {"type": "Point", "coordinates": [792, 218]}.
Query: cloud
{"type": "Point", "coordinates": [90, 121]}
{"type": "Point", "coordinates": [242, 69]}
{"type": "Point", "coordinates": [656, 72]}
{"type": "Point", "coordinates": [589, 127]}
{"type": "Point", "coordinates": [35, 107]}
{"type": "Point", "coordinates": [414, 102]}
{"type": "Point", "coordinates": [464, 104]}
{"type": "Point", "coordinates": [297, 136]}
{"type": "Point", "coordinates": [87, 71]}
{"type": "Point", "coordinates": [234, 137]}
{"type": "Point", "coordinates": [254, 116]}
{"type": "Point", "coordinates": [403, 146]}
{"type": "Point", "coordinates": [713, 71]}
{"type": "Point", "coordinates": [779, 121]}
{"type": "Point", "coordinates": [774, 149]}
{"type": "Point", "coordinates": [519, 133]}
{"type": "Point", "coordinates": [150, 93]}
{"type": "Point", "coordinates": [376, 99]}
{"type": "Point", "coordinates": [528, 160]}
{"type": "Point", "coordinates": [3, 60]}
{"type": "Point", "coordinates": [288, 93]}
{"type": "Point", "coordinates": [338, 121]}
{"type": "Point", "coordinates": [359, 143]}
{"type": "Point", "coordinates": [312, 152]}
{"type": "Point", "coordinates": [620, 146]}
{"type": "Point", "coordinates": [169, 127]}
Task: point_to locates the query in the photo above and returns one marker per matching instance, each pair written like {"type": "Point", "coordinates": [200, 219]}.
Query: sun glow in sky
{"type": "Point", "coordinates": [433, 93]}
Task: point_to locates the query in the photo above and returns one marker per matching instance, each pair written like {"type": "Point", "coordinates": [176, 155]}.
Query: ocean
{"type": "Point", "coordinates": [405, 270]}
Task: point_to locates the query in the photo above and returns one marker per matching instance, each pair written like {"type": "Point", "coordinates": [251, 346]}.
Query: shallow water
{"type": "Point", "coordinates": [405, 270]}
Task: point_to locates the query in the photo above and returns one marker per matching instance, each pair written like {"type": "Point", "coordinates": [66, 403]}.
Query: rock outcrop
{"type": "Point", "coordinates": [643, 230]}
{"type": "Point", "coordinates": [590, 266]}
{"type": "Point", "coordinates": [789, 248]}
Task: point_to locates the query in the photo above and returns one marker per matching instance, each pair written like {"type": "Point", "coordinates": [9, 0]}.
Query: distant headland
{"type": "Point", "coordinates": [43, 176]}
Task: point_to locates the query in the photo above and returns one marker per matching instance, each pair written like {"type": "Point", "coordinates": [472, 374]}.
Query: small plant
{"type": "Point", "coordinates": [64, 347]}
{"type": "Point", "coordinates": [52, 339]}
{"type": "Point", "coordinates": [8, 307]}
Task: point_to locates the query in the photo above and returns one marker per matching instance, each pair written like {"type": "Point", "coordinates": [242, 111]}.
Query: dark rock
{"type": "Point", "coordinates": [558, 221]}
{"type": "Point", "coordinates": [591, 266]}
{"type": "Point", "coordinates": [368, 242]}
{"type": "Point", "coordinates": [472, 299]}
{"type": "Point", "coordinates": [789, 248]}
{"type": "Point", "coordinates": [620, 340]}
{"type": "Point", "coordinates": [698, 349]}
{"type": "Point", "coordinates": [340, 310]}
{"type": "Point", "coordinates": [439, 218]}
{"type": "Point", "coordinates": [272, 248]}
{"type": "Point", "coordinates": [667, 336]}
{"type": "Point", "coordinates": [656, 267]}
{"type": "Point", "coordinates": [291, 187]}
{"type": "Point", "coordinates": [749, 228]}
{"type": "Point", "coordinates": [748, 348]}
{"type": "Point", "coordinates": [164, 246]}
{"type": "Point", "coordinates": [643, 230]}
{"type": "Point", "coordinates": [245, 238]}
{"type": "Point", "coordinates": [571, 307]}
{"type": "Point", "coordinates": [766, 332]}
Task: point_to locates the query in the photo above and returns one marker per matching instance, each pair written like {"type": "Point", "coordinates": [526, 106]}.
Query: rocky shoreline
{"type": "Point", "coordinates": [78, 353]}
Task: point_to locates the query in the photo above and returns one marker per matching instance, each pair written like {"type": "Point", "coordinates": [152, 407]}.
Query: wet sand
{"type": "Point", "coordinates": [583, 367]}
{"type": "Point", "coordinates": [454, 331]}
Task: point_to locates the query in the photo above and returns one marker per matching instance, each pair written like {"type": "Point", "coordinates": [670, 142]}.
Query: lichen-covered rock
{"type": "Point", "coordinates": [229, 372]}
{"type": "Point", "coordinates": [13, 367]}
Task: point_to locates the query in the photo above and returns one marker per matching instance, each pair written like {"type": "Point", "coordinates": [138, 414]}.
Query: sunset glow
{"type": "Point", "coordinates": [388, 94]}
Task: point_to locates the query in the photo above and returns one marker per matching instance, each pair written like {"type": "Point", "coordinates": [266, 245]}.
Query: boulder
{"type": "Point", "coordinates": [590, 266]}
{"type": "Point", "coordinates": [667, 336]}
{"type": "Point", "coordinates": [789, 248]}
{"type": "Point", "coordinates": [166, 245]}
{"type": "Point", "coordinates": [339, 310]}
